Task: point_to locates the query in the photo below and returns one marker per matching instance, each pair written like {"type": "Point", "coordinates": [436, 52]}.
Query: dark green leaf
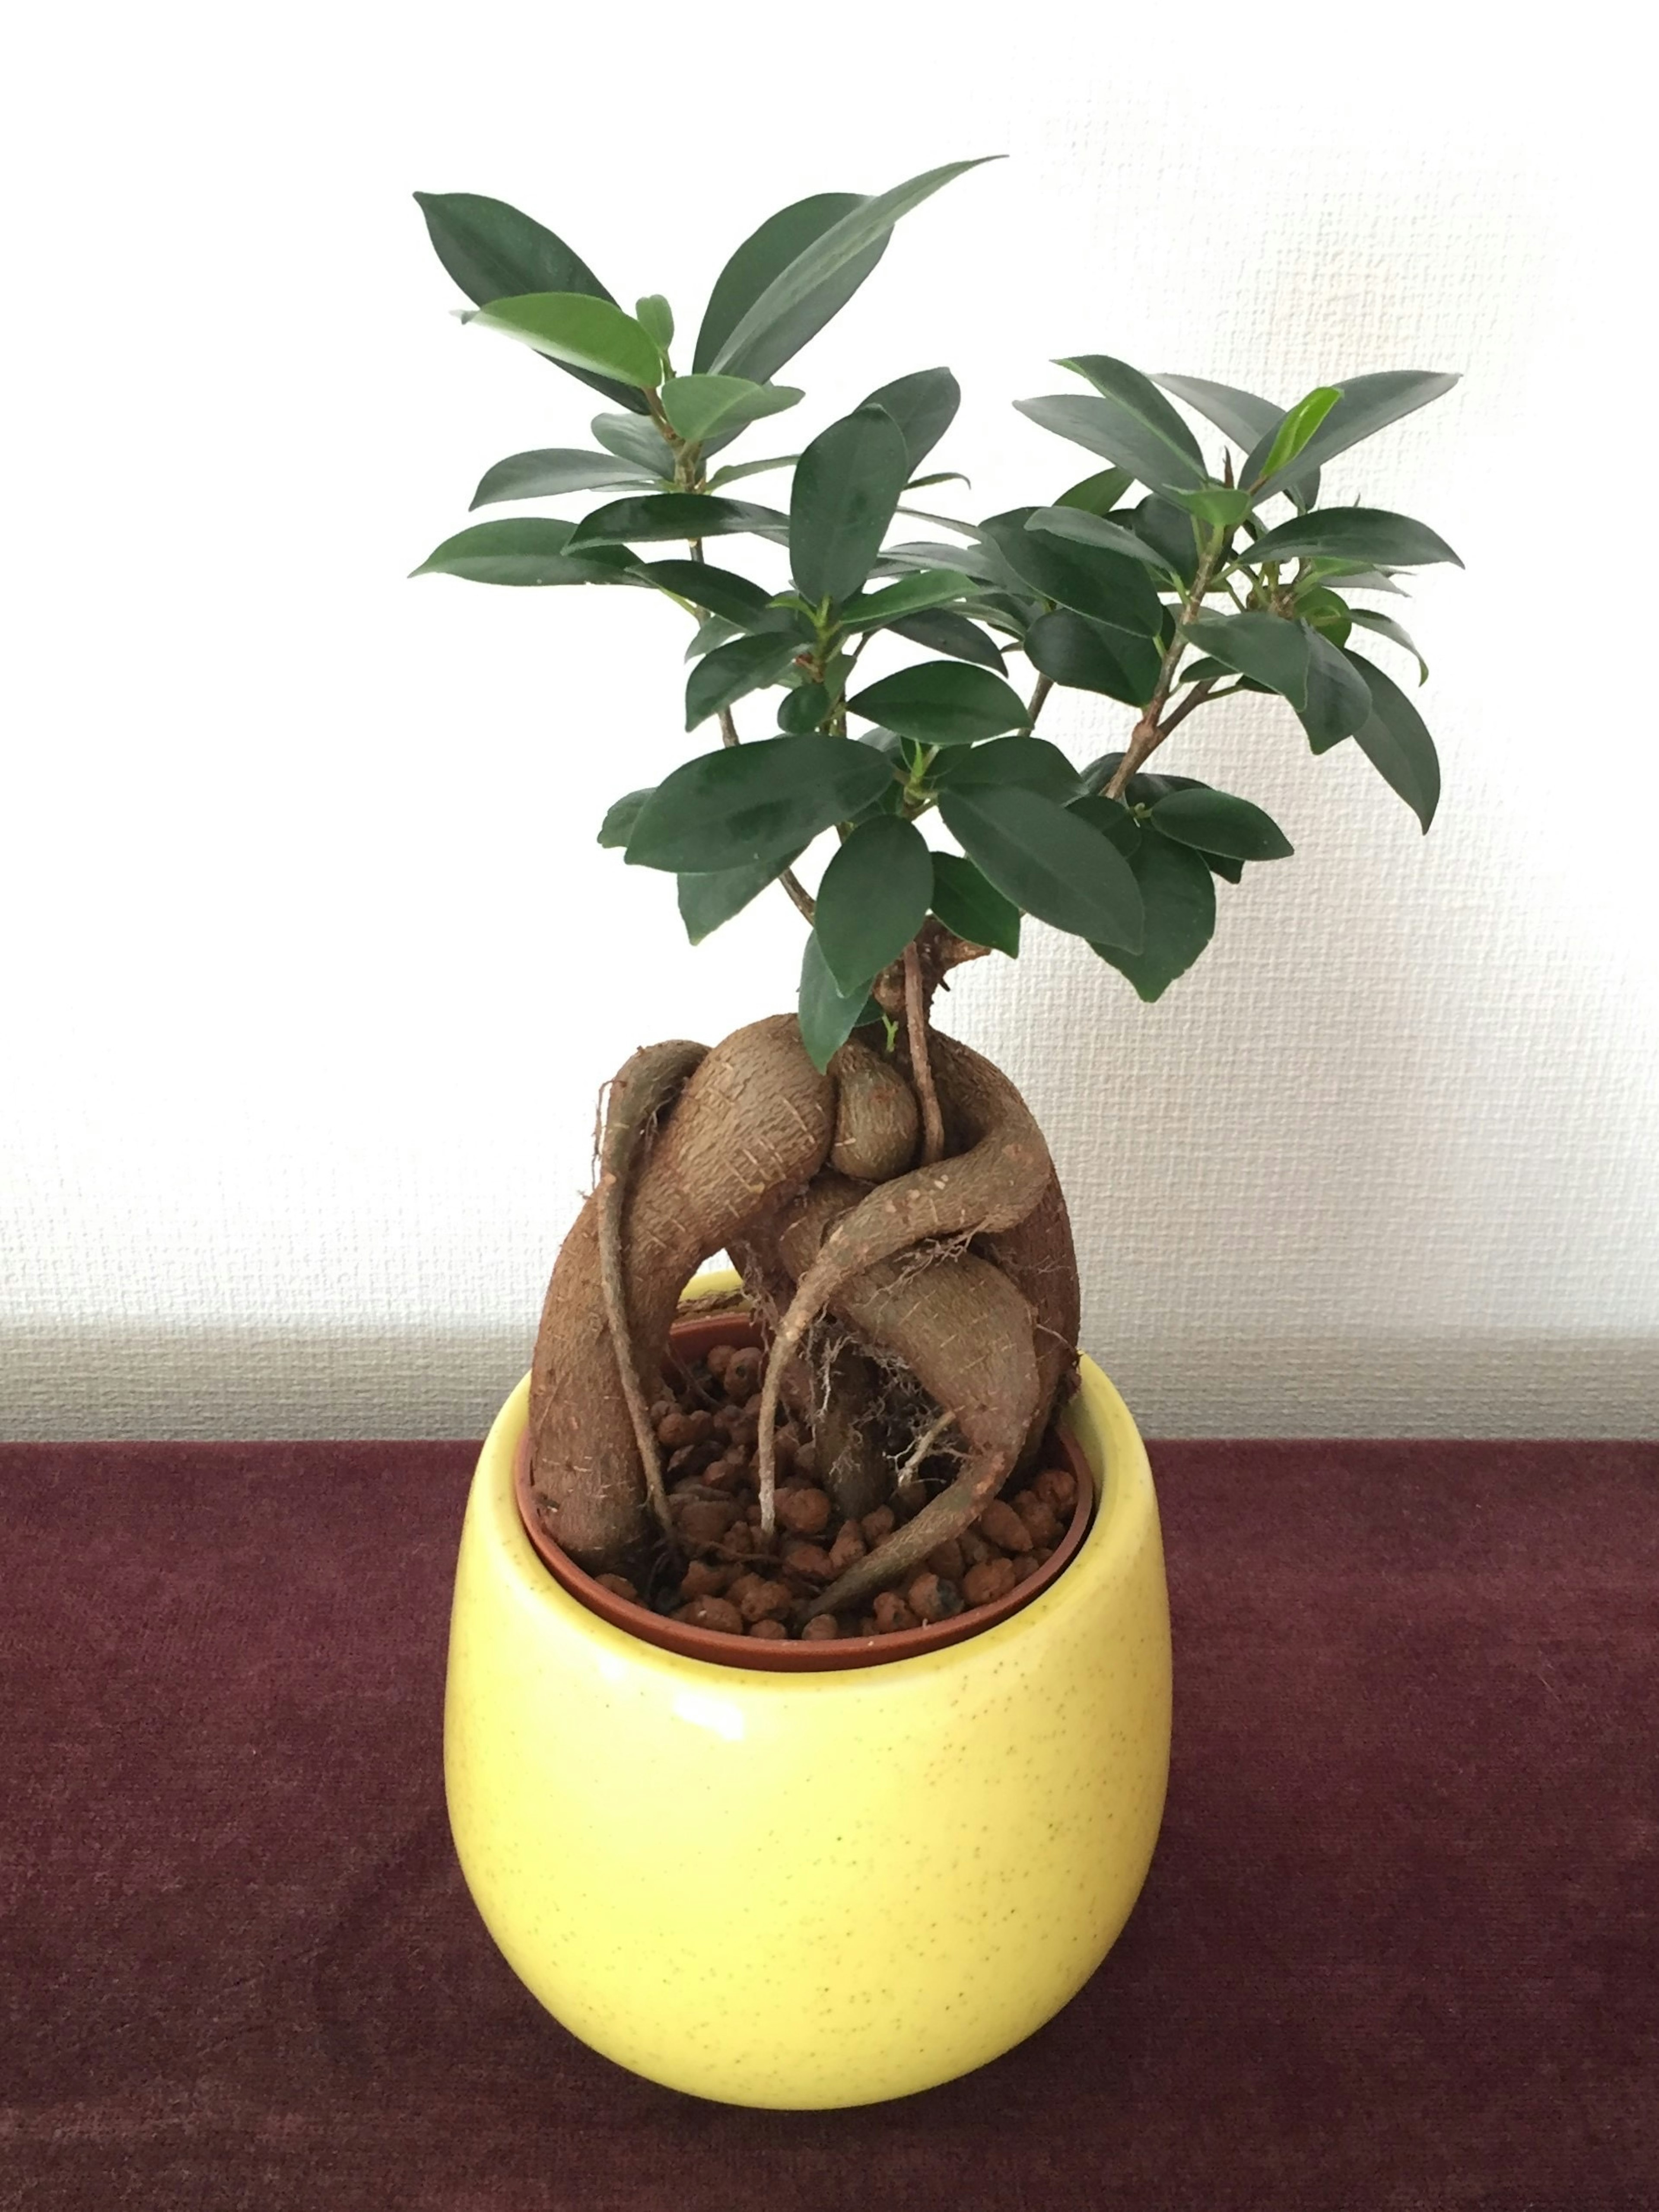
{"type": "Point", "coordinates": [698, 406]}
{"type": "Point", "coordinates": [732, 672]}
{"type": "Point", "coordinates": [924, 406]}
{"type": "Point", "coordinates": [1025, 760]}
{"type": "Point", "coordinates": [942, 703]}
{"type": "Point", "coordinates": [745, 804]}
{"type": "Point", "coordinates": [720, 591]}
{"type": "Point", "coordinates": [798, 271]}
{"type": "Point", "coordinates": [872, 900]}
{"type": "Point", "coordinates": [578, 332]}
{"type": "Point", "coordinates": [1326, 613]}
{"type": "Point", "coordinates": [553, 469]}
{"type": "Point", "coordinates": [1245, 419]}
{"type": "Point", "coordinates": [1216, 503]}
{"type": "Point", "coordinates": [828, 1016]}
{"type": "Point", "coordinates": [942, 632]}
{"type": "Point", "coordinates": [705, 902]}
{"type": "Point", "coordinates": [655, 316]}
{"type": "Point", "coordinates": [528, 550]}
{"type": "Point", "coordinates": [1086, 656]}
{"type": "Point", "coordinates": [1098, 531]}
{"type": "Point", "coordinates": [1046, 861]}
{"type": "Point", "coordinates": [1368, 404]}
{"type": "Point", "coordinates": [1170, 534]}
{"type": "Point", "coordinates": [1205, 670]}
{"type": "Point", "coordinates": [657, 515]}
{"type": "Point", "coordinates": [619, 824]}
{"type": "Point", "coordinates": [1216, 821]}
{"type": "Point", "coordinates": [713, 630]}
{"type": "Point", "coordinates": [802, 709]}
{"type": "Point", "coordinates": [1098, 493]}
{"type": "Point", "coordinates": [495, 253]}
{"type": "Point", "coordinates": [642, 444]}
{"type": "Point", "coordinates": [1104, 585]}
{"type": "Point", "coordinates": [1386, 626]}
{"type": "Point", "coordinates": [1112, 817]}
{"type": "Point", "coordinates": [1178, 894]}
{"type": "Point", "coordinates": [913, 594]}
{"type": "Point", "coordinates": [1396, 743]}
{"type": "Point", "coordinates": [1131, 424]}
{"type": "Point", "coordinates": [1272, 648]}
{"type": "Point", "coordinates": [1336, 706]}
{"type": "Point", "coordinates": [847, 483]}
{"type": "Point", "coordinates": [1352, 533]}
{"type": "Point", "coordinates": [966, 903]}
{"type": "Point", "coordinates": [1354, 579]}
{"type": "Point", "coordinates": [741, 469]}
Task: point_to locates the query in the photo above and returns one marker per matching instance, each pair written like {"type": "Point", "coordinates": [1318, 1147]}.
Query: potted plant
{"type": "Point", "coordinates": [808, 1711]}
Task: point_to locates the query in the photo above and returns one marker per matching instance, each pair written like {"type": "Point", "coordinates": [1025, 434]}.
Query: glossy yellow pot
{"type": "Point", "coordinates": [818, 1889]}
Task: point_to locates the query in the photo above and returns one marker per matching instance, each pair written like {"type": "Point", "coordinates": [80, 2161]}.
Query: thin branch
{"type": "Point", "coordinates": [921, 1067]}
{"type": "Point", "coordinates": [1045, 684]}
{"type": "Point", "coordinates": [1149, 733]}
{"type": "Point", "coordinates": [1195, 697]}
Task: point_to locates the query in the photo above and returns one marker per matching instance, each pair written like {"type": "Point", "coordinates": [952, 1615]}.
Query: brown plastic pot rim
{"type": "Point", "coordinates": [690, 1340]}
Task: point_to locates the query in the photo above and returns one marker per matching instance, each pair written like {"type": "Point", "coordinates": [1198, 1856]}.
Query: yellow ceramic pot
{"type": "Point", "coordinates": [810, 1889]}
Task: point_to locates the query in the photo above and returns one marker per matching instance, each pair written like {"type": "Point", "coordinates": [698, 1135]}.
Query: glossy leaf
{"type": "Point", "coordinates": [1089, 578]}
{"type": "Point", "coordinates": [1290, 657]}
{"type": "Point", "coordinates": [924, 406]}
{"type": "Point", "coordinates": [732, 672]}
{"type": "Point", "coordinates": [1177, 893]}
{"type": "Point", "coordinates": [1046, 861]}
{"type": "Point", "coordinates": [581, 332]}
{"type": "Point", "coordinates": [641, 444]}
{"type": "Point", "coordinates": [941, 631]}
{"type": "Point", "coordinates": [1111, 817]}
{"type": "Point", "coordinates": [803, 708]}
{"type": "Point", "coordinates": [739, 470]}
{"type": "Point", "coordinates": [913, 594]}
{"type": "Point", "coordinates": [1083, 528]}
{"type": "Point", "coordinates": [712, 630]}
{"type": "Point", "coordinates": [618, 826]}
{"type": "Point", "coordinates": [1386, 626]}
{"type": "Point", "coordinates": [1298, 426]}
{"type": "Point", "coordinates": [1098, 493]}
{"type": "Point", "coordinates": [698, 406]}
{"type": "Point", "coordinates": [974, 909]}
{"type": "Point", "coordinates": [1031, 760]}
{"type": "Point", "coordinates": [1170, 534]}
{"type": "Point", "coordinates": [657, 515]}
{"type": "Point", "coordinates": [1336, 706]}
{"type": "Point", "coordinates": [1397, 744]}
{"type": "Point", "coordinates": [763, 257]}
{"type": "Point", "coordinates": [1368, 404]}
{"type": "Point", "coordinates": [1247, 420]}
{"type": "Point", "coordinates": [942, 703]}
{"type": "Point", "coordinates": [1216, 503]}
{"type": "Point", "coordinates": [1352, 533]}
{"type": "Point", "coordinates": [1131, 423]}
{"type": "Point", "coordinates": [527, 550]}
{"type": "Point", "coordinates": [706, 902]}
{"type": "Point", "coordinates": [873, 899]}
{"type": "Point", "coordinates": [1086, 656]}
{"type": "Point", "coordinates": [790, 307]}
{"type": "Point", "coordinates": [656, 318]}
{"type": "Point", "coordinates": [847, 483]}
{"type": "Point", "coordinates": [828, 1016]}
{"type": "Point", "coordinates": [719, 590]}
{"type": "Point", "coordinates": [1216, 821]}
{"type": "Point", "coordinates": [553, 469]}
{"type": "Point", "coordinates": [746, 804]}
{"type": "Point", "coordinates": [495, 253]}
{"type": "Point", "coordinates": [1323, 612]}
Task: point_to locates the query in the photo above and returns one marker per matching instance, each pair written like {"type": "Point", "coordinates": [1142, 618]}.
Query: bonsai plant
{"type": "Point", "coordinates": [873, 1463]}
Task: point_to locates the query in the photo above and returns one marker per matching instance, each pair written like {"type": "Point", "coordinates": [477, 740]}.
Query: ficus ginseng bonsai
{"type": "Point", "coordinates": [884, 1192]}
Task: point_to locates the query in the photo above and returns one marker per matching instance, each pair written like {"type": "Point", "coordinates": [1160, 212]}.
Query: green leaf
{"type": "Point", "coordinates": [1298, 426]}
{"type": "Point", "coordinates": [1032, 762]}
{"type": "Point", "coordinates": [873, 899]}
{"type": "Point", "coordinates": [1352, 533]}
{"type": "Point", "coordinates": [1178, 894]}
{"type": "Point", "coordinates": [924, 406]}
{"type": "Point", "coordinates": [656, 318]}
{"type": "Point", "coordinates": [1245, 419]}
{"type": "Point", "coordinates": [698, 406]}
{"type": "Point", "coordinates": [495, 253]}
{"type": "Point", "coordinates": [1098, 493]}
{"type": "Point", "coordinates": [713, 630]}
{"type": "Point", "coordinates": [1216, 503]}
{"type": "Point", "coordinates": [1089, 578]}
{"type": "Point", "coordinates": [718, 591]}
{"type": "Point", "coordinates": [662, 514]}
{"type": "Point", "coordinates": [1293, 660]}
{"type": "Point", "coordinates": [1335, 707]}
{"type": "Point", "coordinates": [641, 444]}
{"type": "Point", "coordinates": [1326, 613]}
{"type": "Point", "coordinates": [555, 469]}
{"type": "Point", "coordinates": [942, 632]}
{"type": "Point", "coordinates": [746, 804]}
{"type": "Point", "coordinates": [1083, 528]}
{"type": "Point", "coordinates": [1086, 656]}
{"type": "Point", "coordinates": [942, 703]}
{"type": "Point", "coordinates": [828, 1016]}
{"type": "Point", "coordinates": [1368, 404]}
{"type": "Point", "coordinates": [741, 469]}
{"type": "Point", "coordinates": [807, 270]}
{"type": "Point", "coordinates": [581, 332]}
{"type": "Point", "coordinates": [1216, 821]}
{"type": "Point", "coordinates": [1386, 626]}
{"type": "Point", "coordinates": [847, 483]}
{"type": "Point", "coordinates": [1353, 579]}
{"type": "Point", "coordinates": [529, 549]}
{"type": "Point", "coordinates": [732, 672]}
{"type": "Point", "coordinates": [927, 587]}
{"type": "Point", "coordinates": [1046, 861]}
{"type": "Point", "coordinates": [706, 902]}
{"type": "Point", "coordinates": [1111, 817]}
{"type": "Point", "coordinates": [1170, 534]}
{"type": "Point", "coordinates": [1396, 743]}
{"type": "Point", "coordinates": [974, 909]}
{"type": "Point", "coordinates": [1131, 424]}
{"type": "Point", "coordinates": [803, 708]}
{"type": "Point", "coordinates": [618, 826]}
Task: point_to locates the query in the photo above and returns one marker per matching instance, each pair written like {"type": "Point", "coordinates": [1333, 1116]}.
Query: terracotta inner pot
{"type": "Point", "coordinates": [690, 1340]}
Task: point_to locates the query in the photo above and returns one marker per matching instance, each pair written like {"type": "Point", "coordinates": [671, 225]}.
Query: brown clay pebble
{"type": "Point", "coordinates": [892, 1614]}
{"type": "Point", "coordinates": [946, 1559]}
{"type": "Point", "coordinates": [739, 1539]}
{"type": "Point", "coordinates": [930, 1597]}
{"type": "Point", "coordinates": [785, 1445]}
{"type": "Point", "coordinates": [1039, 1517]}
{"type": "Point", "coordinates": [661, 1408]}
{"type": "Point", "coordinates": [1043, 1553]}
{"type": "Point", "coordinates": [1026, 1565]}
{"type": "Point", "coordinates": [1057, 1487]}
{"type": "Point", "coordinates": [703, 1578]}
{"type": "Point", "coordinates": [764, 1600]}
{"type": "Point", "coordinates": [876, 1525]}
{"type": "Point", "coordinates": [868, 1625]}
{"type": "Point", "coordinates": [743, 1373]}
{"type": "Point", "coordinates": [807, 1462]}
{"type": "Point", "coordinates": [619, 1586]}
{"type": "Point", "coordinates": [977, 1548]}
{"type": "Point", "coordinates": [770, 1630]}
{"type": "Point", "coordinates": [712, 1613]}
{"type": "Point", "coordinates": [804, 1511]}
{"type": "Point", "coordinates": [810, 1561]}
{"type": "Point", "coordinates": [1004, 1526]}
{"type": "Point", "coordinates": [719, 1359]}
{"type": "Point", "coordinates": [725, 1418]}
{"type": "Point", "coordinates": [992, 1578]}
{"type": "Point", "coordinates": [847, 1546]}
{"type": "Point", "coordinates": [821, 1627]}
{"type": "Point", "coordinates": [684, 1429]}
{"type": "Point", "coordinates": [706, 1520]}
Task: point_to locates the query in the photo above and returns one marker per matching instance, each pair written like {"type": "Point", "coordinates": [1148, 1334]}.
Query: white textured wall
{"type": "Point", "coordinates": [309, 967]}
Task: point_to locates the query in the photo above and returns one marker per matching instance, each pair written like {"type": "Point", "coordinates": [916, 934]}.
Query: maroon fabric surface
{"type": "Point", "coordinates": [1399, 1951]}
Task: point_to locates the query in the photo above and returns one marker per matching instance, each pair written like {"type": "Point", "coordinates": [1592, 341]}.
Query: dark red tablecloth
{"type": "Point", "coordinates": [1399, 1951]}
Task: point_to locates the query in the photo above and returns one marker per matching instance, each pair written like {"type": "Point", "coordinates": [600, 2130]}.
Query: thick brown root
{"type": "Point", "coordinates": [876, 1116]}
